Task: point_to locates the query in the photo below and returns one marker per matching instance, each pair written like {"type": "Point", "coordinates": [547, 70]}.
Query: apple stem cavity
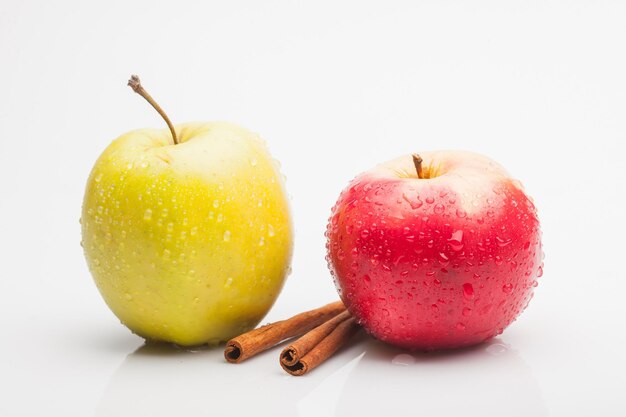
{"type": "Point", "coordinates": [417, 161]}
{"type": "Point", "coordinates": [135, 84]}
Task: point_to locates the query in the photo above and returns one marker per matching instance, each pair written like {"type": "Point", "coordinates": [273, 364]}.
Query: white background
{"type": "Point", "coordinates": [335, 87]}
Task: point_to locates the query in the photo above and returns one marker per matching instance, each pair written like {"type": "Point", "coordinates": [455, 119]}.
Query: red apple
{"type": "Point", "coordinates": [442, 259]}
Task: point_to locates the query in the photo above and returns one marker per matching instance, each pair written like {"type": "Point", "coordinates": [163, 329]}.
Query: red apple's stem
{"type": "Point", "coordinates": [135, 84]}
{"type": "Point", "coordinates": [417, 161]}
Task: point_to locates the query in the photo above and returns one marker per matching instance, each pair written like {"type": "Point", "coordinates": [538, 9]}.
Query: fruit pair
{"type": "Point", "coordinates": [188, 236]}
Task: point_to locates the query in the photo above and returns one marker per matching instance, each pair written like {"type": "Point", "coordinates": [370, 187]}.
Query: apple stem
{"type": "Point", "coordinates": [135, 84]}
{"type": "Point", "coordinates": [417, 161]}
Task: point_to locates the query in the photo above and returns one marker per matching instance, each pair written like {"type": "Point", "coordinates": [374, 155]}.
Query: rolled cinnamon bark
{"type": "Point", "coordinates": [296, 350]}
{"type": "Point", "coordinates": [255, 341]}
{"type": "Point", "coordinates": [329, 344]}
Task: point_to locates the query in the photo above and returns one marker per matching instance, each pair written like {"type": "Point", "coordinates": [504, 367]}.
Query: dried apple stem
{"type": "Point", "coordinates": [135, 84]}
{"type": "Point", "coordinates": [417, 161]}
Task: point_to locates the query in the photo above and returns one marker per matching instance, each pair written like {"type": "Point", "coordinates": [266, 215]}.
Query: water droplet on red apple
{"type": "Point", "coordinates": [434, 307]}
{"type": "Point", "coordinates": [456, 241]}
{"type": "Point", "coordinates": [460, 213]}
{"type": "Point", "coordinates": [468, 291]}
{"type": "Point", "coordinates": [467, 311]}
{"type": "Point", "coordinates": [365, 233]}
{"type": "Point", "coordinates": [367, 278]}
{"type": "Point", "coordinates": [540, 272]}
{"type": "Point", "coordinates": [414, 203]}
{"type": "Point", "coordinates": [503, 242]}
{"type": "Point", "coordinates": [460, 326]}
{"type": "Point", "coordinates": [507, 288]}
{"type": "Point", "coordinates": [430, 200]}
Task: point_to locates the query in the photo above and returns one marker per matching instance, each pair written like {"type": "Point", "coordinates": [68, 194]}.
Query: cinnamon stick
{"type": "Point", "coordinates": [255, 341]}
{"type": "Point", "coordinates": [296, 361]}
{"type": "Point", "coordinates": [296, 350]}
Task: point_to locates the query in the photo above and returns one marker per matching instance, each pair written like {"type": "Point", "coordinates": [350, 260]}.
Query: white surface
{"type": "Point", "coordinates": [334, 88]}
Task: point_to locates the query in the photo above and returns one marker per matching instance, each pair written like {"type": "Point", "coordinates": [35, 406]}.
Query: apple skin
{"type": "Point", "coordinates": [439, 262]}
{"type": "Point", "coordinates": [188, 243]}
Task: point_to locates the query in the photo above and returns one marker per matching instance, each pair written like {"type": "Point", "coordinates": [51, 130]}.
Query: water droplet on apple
{"type": "Point", "coordinates": [415, 204]}
{"type": "Point", "coordinates": [460, 213]}
{"type": "Point", "coordinates": [196, 300]}
{"type": "Point", "coordinates": [167, 254]}
{"type": "Point", "coordinates": [216, 203]}
{"type": "Point", "coordinates": [367, 278]}
{"type": "Point", "coordinates": [456, 241]}
{"type": "Point", "coordinates": [540, 272]}
{"type": "Point", "coordinates": [270, 230]}
{"type": "Point", "coordinates": [439, 208]}
{"type": "Point", "coordinates": [147, 215]}
{"type": "Point", "coordinates": [403, 359]}
{"type": "Point", "coordinates": [507, 288]}
{"type": "Point", "coordinates": [468, 291]}
{"type": "Point", "coordinates": [434, 308]}
{"type": "Point", "coordinates": [365, 233]}
{"type": "Point", "coordinates": [503, 242]}
{"type": "Point", "coordinates": [164, 212]}
{"type": "Point", "coordinates": [460, 326]}
{"type": "Point", "coordinates": [98, 177]}
{"type": "Point", "coordinates": [96, 262]}
{"type": "Point", "coordinates": [430, 200]}
{"type": "Point", "coordinates": [467, 311]}
{"type": "Point", "coordinates": [193, 231]}
{"type": "Point", "coordinates": [262, 241]}
{"type": "Point", "coordinates": [253, 162]}
{"type": "Point", "coordinates": [226, 236]}
{"type": "Point", "coordinates": [170, 227]}
{"type": "Point", "coordinates": [128, 296]}
{"type": "Point", "coordinates": [220, 217]}
{"type": "Point", "coordinates": [228, 283]}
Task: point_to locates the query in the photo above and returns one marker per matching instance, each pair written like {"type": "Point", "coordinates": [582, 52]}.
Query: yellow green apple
{"type": "Point", "coordinates": [188, 242]}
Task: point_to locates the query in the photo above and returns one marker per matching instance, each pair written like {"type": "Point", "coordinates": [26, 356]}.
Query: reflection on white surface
{"type": "Point", "coordinates": [368, 378]}
{"type": "Point", "coordinates": [159, 380]}
{"type": "Point", "coordinates": [489, 379]}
